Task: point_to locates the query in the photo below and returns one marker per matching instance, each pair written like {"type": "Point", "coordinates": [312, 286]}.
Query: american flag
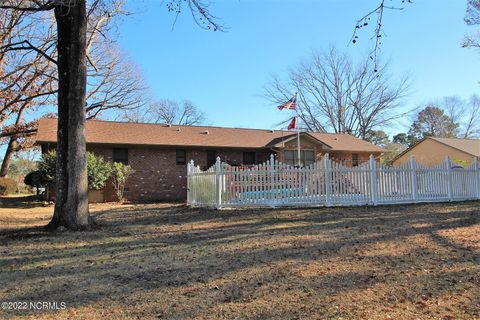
{"type": "Point", "coordinates": [290, 104]}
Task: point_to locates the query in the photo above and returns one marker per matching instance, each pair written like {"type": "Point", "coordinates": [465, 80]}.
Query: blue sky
{"type": "Point", "coordinates": [224, 72]}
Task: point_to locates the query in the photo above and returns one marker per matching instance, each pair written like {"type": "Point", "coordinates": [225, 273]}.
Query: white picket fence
{"type": "Point", "coordinates": [329, 183]}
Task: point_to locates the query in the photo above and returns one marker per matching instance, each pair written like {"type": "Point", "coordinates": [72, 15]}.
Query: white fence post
{"type": "Point", "coordinates": [189, 182]}
{"type": "Point", "coordinates": [413, 177]}
{"type": "Point", "coordinates": [373, 178]}
{"type": "Point", "coordinates": [328, 180]}
{"type": "Point", "coordinates": [476, 183]}
{"type": "Point", "coordinates": [218, 182]}
{"type": "Point", "coordinates": [450, 180]}
{"type": "Point", "coordinates": [273, 196]}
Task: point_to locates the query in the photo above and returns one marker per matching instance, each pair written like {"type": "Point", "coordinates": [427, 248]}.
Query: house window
{"type": "Point", "coordinates": [355, 159]}
{"type": "Point", "coordinates": [120, 155]}
{"type": "Point", "coordinates": [211, 158]}
{"type": "Point", "coordinates": [307, 157]}
{"type": "Point", "coordinates": [181, 156]}
{"type": "Point", "coordinates": [289, 157]}
{"type": "Point", "coordinates": [249, 158]}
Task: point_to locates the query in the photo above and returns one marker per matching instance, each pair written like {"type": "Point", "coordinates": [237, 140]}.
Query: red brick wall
{"type": "Point", "coordinates": [157, 175]}
{"type": "Point", "coordinates": [346, 157]}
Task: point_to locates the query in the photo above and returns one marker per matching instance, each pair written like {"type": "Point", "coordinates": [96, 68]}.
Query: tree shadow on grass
{"type": "Point", "coordinates": [191, 261]}
{"type": "Point", "coordinates": [21, 202]}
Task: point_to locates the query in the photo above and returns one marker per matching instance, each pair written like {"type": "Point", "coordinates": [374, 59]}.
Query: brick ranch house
{"type": "Point", "coordinates": [159, 153]}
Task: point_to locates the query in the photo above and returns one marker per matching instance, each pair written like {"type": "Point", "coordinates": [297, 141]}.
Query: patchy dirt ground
{"type": "Point", "coordinates": [168, 261]}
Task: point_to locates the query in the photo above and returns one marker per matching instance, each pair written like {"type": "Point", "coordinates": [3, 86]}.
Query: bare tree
{"type": "Point", "coordinates": [71, 205]}
{"type": "Point", "coordinates": [471, 40]}
{"type": "Point", "coordinates": [453, 106]}
{"type": "Point", "coordinates": [471, 120]}
{"type": "Point", "coordinates": [168, 112]}
{"type": "Point", "coordinates": [336, 95]}
{"type": "Point", "coordinates": [472, 17]}
{"type": "Point", "coordinates": [472, 14]}
{"type": "Point", "coordinates": [113, 80]}
{"type": "Point", "coordinates": [27, 78]}
{"type": "Point", "coordinates": [464, 113]}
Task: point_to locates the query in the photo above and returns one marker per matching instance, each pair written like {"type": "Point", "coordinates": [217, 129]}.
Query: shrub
{"type": "Point", "coordinates": [35, 179]}
{"type": "Point", "coordinates": [47, 166]}
{"type": "Point", "coordinates": [21, 167]}
{"type": "Point", "coordinates": [98, 170]}
{"type": "Point", "coordinates": [120, 174]}
{"type": "Point", "coordinates": [8, 186]}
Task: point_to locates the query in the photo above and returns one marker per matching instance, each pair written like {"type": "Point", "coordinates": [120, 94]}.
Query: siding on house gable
{"type": "Point", "coordinates": [430, 152]}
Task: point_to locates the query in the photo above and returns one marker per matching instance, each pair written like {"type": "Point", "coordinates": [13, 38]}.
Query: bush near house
{"type": "Point", "coordinates": [8, 186]}
{"type": "Point", "coordinates": [47, 167]}
{"type": "Point", "coordinates": [20, 167]}
{"type": "Point", "coordinates": [120, 174]}
{"type": "Point", "coordinates": [17, 171]}
{"type": "Point", "coordinates": [98, 170]}
{"type": "Point", "coordinates": [35, 179]}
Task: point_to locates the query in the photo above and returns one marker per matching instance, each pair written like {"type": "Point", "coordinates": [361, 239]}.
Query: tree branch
{"type": "Point", "coordinates": [30, 46]}
{"type": "Point", "coordinates": [378, 31]}
{"type": "Point", "coordinates": [47, 6]}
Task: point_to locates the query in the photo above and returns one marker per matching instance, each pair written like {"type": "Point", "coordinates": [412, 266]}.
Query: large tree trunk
{"type": "Point", "coordinates": [71, 202]}
{"type": "Point", "coordinates": [13, 145]}
{"type": "Point", "coordinates": [11, 148]}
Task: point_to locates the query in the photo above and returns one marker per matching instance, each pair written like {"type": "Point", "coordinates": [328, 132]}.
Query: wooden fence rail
{"type": "Point", "coordinates": [328, 183]}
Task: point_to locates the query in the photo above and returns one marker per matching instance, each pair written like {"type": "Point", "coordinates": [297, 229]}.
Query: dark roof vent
{"type": "Point", "coordinates": [178, 129]}
{"type": "Point", "coordinates": [205, 132]}
{"type": "Point", "coordinates": [272, 131]}
{"type": "Point", "coordinates": [169, 125]}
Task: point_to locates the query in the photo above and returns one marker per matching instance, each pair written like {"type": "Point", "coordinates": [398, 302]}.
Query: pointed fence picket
{"type": "Point", "coordinates": [330, 183]}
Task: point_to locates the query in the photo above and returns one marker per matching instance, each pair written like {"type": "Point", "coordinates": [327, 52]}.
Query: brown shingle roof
{"type": "Point", "coordinates": [345, 142]}
{"type": "Point", "coordinates": [127, 133]}
{"type": "Point", "coordinates": [470, 146]}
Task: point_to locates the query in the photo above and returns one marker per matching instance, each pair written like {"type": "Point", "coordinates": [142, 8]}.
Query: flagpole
{"type": "Point", "coordinates": [292, 104]}
{"type": "Point", "coordinates": [298, 130]}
